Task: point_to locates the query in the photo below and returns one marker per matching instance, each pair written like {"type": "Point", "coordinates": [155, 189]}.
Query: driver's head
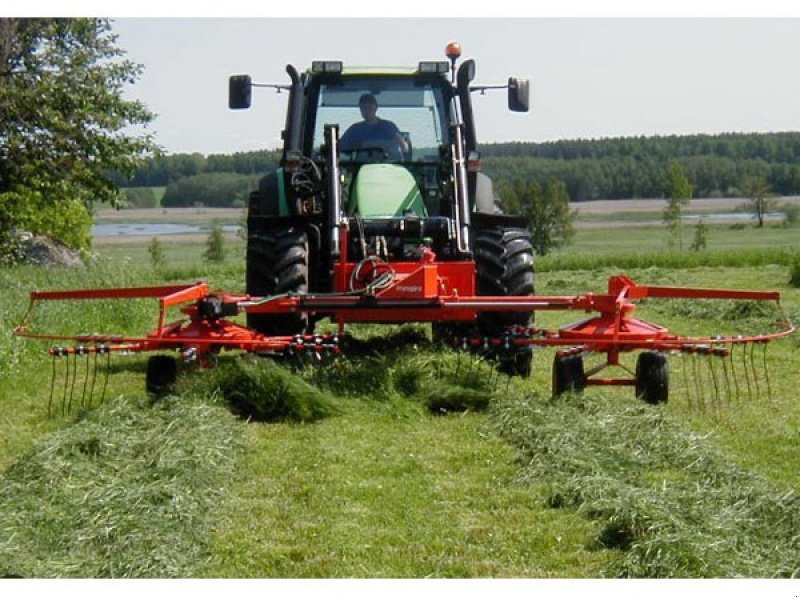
{"type": "Point", "coordinates": [368, 106]}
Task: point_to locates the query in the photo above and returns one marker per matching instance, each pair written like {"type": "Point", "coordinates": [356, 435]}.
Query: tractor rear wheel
{"type": "Point", "coordinates": [568, 374]}
{"type": "Point", "coordinates": [652, 378]}
{"type": "Point", "coordinates": [504, 264]}
{"type": "Point", "coordinates": [277, 263]}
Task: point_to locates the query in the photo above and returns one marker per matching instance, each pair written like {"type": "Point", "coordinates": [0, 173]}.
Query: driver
{"type": "Point", "coordinates": [372, 131]}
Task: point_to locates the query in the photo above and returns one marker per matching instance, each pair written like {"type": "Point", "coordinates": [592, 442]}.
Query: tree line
{"type": "Point", "coordinates": [608, 169]}
{"type": "Point", "coordinates": [636, 167]}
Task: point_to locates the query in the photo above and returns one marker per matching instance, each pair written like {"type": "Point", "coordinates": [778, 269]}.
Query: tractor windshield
{"type": "Point", "coordinates": [383, 119]}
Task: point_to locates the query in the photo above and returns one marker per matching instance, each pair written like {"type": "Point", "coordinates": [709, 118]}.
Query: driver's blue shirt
{"type": "Point", "coordinates": [360, 134]}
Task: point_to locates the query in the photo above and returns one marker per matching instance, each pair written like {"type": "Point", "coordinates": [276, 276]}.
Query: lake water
{"type": "Point", "coordinates": [153, 229]}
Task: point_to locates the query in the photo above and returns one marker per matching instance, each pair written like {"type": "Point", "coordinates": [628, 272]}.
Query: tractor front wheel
{"type": "Point", "coordinates": [277, 263]}
{"type": "Point", "coordinates": [504, 264]}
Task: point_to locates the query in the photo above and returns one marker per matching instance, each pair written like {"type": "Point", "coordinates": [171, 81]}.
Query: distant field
{"type": "Point", "coordinates": [194, 216]}
{"type": "Point", "coordinates": [603, 228]}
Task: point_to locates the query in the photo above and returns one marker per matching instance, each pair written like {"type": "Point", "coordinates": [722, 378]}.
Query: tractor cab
{"type": "Point", "coordinates": [392, 129]}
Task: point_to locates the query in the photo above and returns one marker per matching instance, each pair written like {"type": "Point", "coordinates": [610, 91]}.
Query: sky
{"type": "Point", "coordinates": [590, 76]}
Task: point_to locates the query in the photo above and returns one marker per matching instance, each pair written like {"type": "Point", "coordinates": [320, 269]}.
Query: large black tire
{"type": "Point", "coordinates": [568, 374]}
{"type": "Point", "coordinates": [277, 263]}
{"type": "Point", "coordinates": [652, 378]}
{"type": "Point", "coordinates": [266, 201]}
{"type": "Point", "coordinates": [504, 264]}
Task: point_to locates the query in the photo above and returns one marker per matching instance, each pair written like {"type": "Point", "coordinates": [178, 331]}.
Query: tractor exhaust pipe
{"type": "Point", "coordinates": [334, 186]}
{"type": "Point", "coordinates": [462, 212]}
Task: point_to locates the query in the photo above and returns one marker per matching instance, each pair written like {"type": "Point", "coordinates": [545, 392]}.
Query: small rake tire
{"type": "Point", "coordinates": [162, 372]}
{"type": "Point", "coordinates": [568, 374]}
{"type": "Point", "coordinates": [652, 378]}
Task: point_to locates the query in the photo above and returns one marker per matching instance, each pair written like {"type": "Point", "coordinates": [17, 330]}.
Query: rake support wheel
{"type": "Point", "coordinates": [652, 378]}
{"type": "Point", "coordinates": [162, 372]}
{"type": "Point", "coordinates": [568, 374]}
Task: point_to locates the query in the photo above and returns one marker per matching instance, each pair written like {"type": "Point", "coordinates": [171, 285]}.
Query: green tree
{"type": "Point", "coordinates": [64, 126]}
{"type": "Point", "coordinates": [759, 194]}
{"type": "Point", "coordinates": [700, 235]}
{"type": "Point", "coordinates": [156, 251]}
{"type": "Point", "coordinates": [215, 245]}
{"type": "Point", "coordinates": [679, 193]}
{"type": "Point", "coordinates": [210, 189]}
{"type": "Point", "coordinates": [548, 212]}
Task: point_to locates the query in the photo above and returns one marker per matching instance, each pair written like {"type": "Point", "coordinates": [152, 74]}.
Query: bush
{"type": "Point", "coordinates": [791, 214]}
{"type": "Point", "coordinates": [215, 245]}
{"type": "Point", "coordinates": [794, 271]}
{"type": "Point", "coordinates": [156, 252]}
{"type": "Point", "coordinates": [143, 197]}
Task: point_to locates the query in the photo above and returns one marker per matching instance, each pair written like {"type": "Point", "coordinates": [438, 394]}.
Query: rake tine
{"type": "Point", "coordinates": [108, 370]}
{"type": "Point", "coordinates": [727, 381]}
{"type": "Point", "coordinates": [766, 373]}
{"type": "Point", "coordinates": [697, 384]}
{"type": "Point", "coordinates": [733, 375]}
{"type": "Point", "coordinates": [74, 380]}
{"type": "Point", "coordinates": [66, 387]}
{"type": "Point", "coordinates": [52, 388]}
{"type": "Point", "coordinates": [715, 398]}
{"type": "Point", "coordinates": [686, 388]}
{"type": "Point", "coordinates": [753, 369]}
{"type": "Point", "coordinates": [85, 375]}
{"type": "Point", "coordinates": [747, 375]}
{"type": "Point", "coordinates": [94, 377]}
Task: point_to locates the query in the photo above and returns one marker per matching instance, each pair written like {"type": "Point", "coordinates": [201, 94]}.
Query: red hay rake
{"type": "Point", "coordinates": [425, 291]}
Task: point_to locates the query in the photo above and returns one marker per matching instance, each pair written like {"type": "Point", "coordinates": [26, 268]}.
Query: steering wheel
{"type": "Point", "coordinates": [377, 150]}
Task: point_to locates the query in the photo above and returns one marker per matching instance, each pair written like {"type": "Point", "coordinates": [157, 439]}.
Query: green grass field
{"type": "Point", "coordinates": [348, 473]}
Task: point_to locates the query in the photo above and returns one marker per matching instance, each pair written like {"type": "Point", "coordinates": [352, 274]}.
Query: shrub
{"type": "Point", "coordinates": [215, 245]}
{"type": "Point", "coordinates": [140, 197]}
{"type": "Point", "coordinates": [794, 271]}
{"type": "Point", "coordinates": [156, 252]}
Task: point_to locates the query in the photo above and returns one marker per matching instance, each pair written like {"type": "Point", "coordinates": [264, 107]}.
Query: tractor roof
{"type": "Point", "coordinates": [330, 67]}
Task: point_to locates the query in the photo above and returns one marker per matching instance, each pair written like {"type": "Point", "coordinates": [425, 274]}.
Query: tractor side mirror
{"type": "Point", "coordinates": [240, 89]}
{"type": "Point", "coordinates": [518, 94]}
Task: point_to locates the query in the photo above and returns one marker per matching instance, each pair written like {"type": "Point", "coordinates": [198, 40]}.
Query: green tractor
{"type": "Point", "coordinates": [378, 167]}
